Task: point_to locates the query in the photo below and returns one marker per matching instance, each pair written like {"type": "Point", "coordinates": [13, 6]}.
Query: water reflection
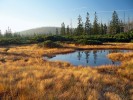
{"type": "Point", "coordinates": [95, 56]}
{"type": "Point", "coordinates": [79, 55]}
{"type": "Point", "coordinates": [89, 57]}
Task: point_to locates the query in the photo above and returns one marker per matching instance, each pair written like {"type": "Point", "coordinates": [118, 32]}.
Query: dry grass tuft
{"type": "Point", "coordinates": [121, 56]}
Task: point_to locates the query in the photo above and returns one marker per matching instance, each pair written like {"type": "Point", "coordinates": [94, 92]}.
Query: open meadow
{"type": "Point", "coordinates": [24, 75]}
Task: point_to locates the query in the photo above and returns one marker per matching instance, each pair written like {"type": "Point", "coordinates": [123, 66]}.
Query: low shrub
{"type": "Point", "coordinates": [10, 41]}
{"type": "Point", "coordinates": [89, 42]}
{"type": "Point", "coordinates": [58, 38]}
{"type": "Point", "coordinates": [49, 44]}
{"type": "Point", "coordinates": [131, 41]}
{"type": "Point", "coordinates": [94, 42]}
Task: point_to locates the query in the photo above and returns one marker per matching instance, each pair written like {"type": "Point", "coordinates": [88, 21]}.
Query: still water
{"type": "Point", "coordinates": [87, 58]}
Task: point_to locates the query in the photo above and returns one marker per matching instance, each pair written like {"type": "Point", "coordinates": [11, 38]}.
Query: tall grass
{"type": "Point", "coordinates": [32, 78]}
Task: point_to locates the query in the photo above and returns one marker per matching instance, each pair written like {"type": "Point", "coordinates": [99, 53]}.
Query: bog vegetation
{"type": "Point", "coordinates": [26, 76]}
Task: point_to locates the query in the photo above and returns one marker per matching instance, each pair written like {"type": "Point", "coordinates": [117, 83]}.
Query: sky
{"type": "Point", "coordinates": [21, 15]}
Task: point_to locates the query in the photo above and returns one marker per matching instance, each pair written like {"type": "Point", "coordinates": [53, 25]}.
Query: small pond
{"type": "Point", "coordinates": [87, 57]}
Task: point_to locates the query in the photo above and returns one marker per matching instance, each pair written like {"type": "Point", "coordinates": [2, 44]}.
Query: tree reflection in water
{"type": "Point", "coordinates": [88, 57]}
{"type": "Point", "coordinates": [79, 55]}
{"type": "Point", "coordinates": [95, 54]}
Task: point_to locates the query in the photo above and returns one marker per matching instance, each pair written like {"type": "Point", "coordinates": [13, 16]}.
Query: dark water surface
{"type": "Point", "coordinates": [87, 58]}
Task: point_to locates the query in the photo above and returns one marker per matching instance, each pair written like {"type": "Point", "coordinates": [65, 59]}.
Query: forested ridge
{"type": "Point", "coordinates": [85, 33]}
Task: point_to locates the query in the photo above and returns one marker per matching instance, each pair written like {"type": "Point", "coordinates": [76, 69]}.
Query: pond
{"type": "Point", "coordinates": [87, 57]}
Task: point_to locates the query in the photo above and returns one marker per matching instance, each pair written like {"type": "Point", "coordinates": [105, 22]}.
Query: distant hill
{"type": "Point", "coordinates": [41, 30]}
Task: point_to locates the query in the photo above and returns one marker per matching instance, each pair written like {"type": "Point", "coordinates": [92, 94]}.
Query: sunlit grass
{"type": "Point", "coordinates": [29, 77]}
{"type": "Point", "coordinates": [121, 56]}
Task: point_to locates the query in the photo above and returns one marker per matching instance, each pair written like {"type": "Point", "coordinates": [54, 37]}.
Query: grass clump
{"type": "Point", "coordinates": [2, 60]}
{"type": "Point", "coordinates": [49, 44]}
{"type": "Point", "coordinates": [120, 56]}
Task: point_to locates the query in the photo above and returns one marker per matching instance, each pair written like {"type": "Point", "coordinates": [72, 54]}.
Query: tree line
{"type": "Point", "coordinates": [86, 33]}
{"type": "Point", "coordinates": [116, 25]}
{"type": "Point", "coordinates": [8, 34]}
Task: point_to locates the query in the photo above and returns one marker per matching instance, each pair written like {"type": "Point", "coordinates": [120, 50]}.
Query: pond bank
{"type": "Point", "coordinates": [68, 48]}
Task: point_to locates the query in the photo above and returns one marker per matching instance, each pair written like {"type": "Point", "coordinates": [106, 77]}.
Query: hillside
{"type": "Point", "coordinates": [41, 30]}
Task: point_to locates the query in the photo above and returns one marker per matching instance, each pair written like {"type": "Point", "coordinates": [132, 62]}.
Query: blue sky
{"type": "Point", "coordinates": [26, 14]}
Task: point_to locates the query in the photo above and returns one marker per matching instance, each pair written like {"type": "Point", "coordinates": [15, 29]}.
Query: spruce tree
{"type": "Point", "coordinates": [80, 29]}
{"type": "Point", "coordinates": [115, 24]}
{"type": "Point", "coordinates": [71, 31]}
{"type": "Point", "coordinates": [63, 29]}
{"type": "Point", "coordinates": [95, 24]}
{"type": "Point", "coordinates": [8, 32]}
{"type": "Point", "coordinates": [121, 26]}
{"type": "Point", "coordinates": [68, 30]}
{"type": "Point", "coordinates": [57, 32]}
{"type": "Point", "coordinates": [87, 24]}
{"type": "Point", "coordinates": [105, 29]}
{"type": "Point", "coordinates": [101, 31]}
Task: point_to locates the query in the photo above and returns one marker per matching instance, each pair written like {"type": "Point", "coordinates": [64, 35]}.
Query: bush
{"type": "Point", "coordinates": [37, 39]}
{"type": "Point", "coordinates": [89, 42]}
{"type": "Point", "coordinates": [58, 38]}
{"type": "Point", "coordinates": [131, 41]}
{"type": "Point", "coordinates": [10, 41]}
{"type": "Point", "coordinates": [49, 44]}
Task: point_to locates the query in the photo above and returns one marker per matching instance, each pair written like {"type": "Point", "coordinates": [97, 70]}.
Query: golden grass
{"type": "Point", "coordinates": [24, 75]}
{"type": "Point", "coordinates": [104, 46]}
{"type": "Point", "coordinates": [121, 56]}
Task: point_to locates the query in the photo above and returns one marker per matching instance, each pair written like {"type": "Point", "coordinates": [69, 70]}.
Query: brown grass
{"type": "Point", "coordinates": [24, 75]}
{"type": "Point", "coordinates": [121, 56]}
